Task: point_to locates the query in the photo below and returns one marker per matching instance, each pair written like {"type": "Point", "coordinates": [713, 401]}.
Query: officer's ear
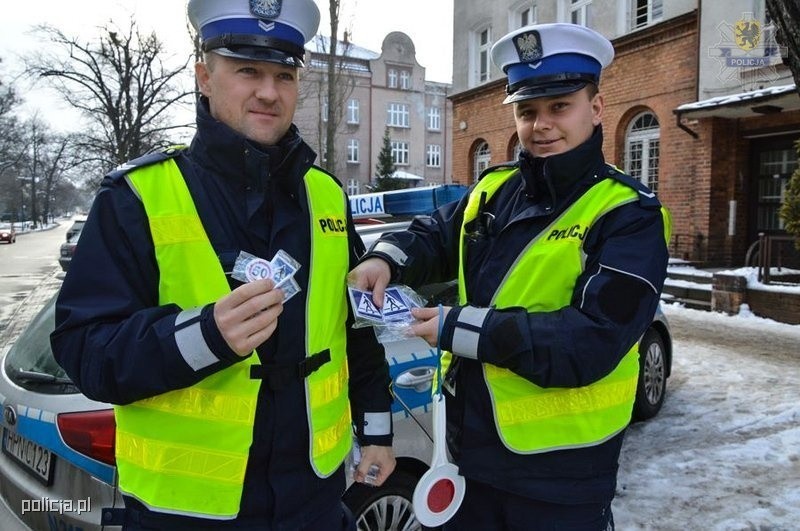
{"type": "Point", "coordinates": [202, 72]}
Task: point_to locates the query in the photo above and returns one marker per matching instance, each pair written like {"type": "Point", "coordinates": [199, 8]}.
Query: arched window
{"type": "Point", "coordinates": [483, 156]}
{"type": "Point", "coordinates": [642, 149]}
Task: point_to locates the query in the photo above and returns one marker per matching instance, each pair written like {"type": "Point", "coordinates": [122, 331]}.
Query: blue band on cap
{"type": "Point", "coordinates": [252, 26]}
{"type": "Point", "coordinates": [554, 64]}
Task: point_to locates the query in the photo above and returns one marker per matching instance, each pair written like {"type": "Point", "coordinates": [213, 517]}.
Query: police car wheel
{"type": "Point", "coordinates": [386, 507]}
{"type": "Point", "coordinates": [652, 384]}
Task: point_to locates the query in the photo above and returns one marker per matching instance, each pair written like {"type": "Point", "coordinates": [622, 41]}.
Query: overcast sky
{"type": "Point", "coordinates": [428, 23]}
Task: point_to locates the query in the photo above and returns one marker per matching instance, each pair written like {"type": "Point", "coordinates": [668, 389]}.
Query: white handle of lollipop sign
{"type": "Point", "coordinates": [441, 489]}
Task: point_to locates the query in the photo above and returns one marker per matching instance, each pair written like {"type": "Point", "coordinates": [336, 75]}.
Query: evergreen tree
{"type": "Point", "coordinates": [790, 208]}
{"type": "Point", "coordinates": [384, 170]}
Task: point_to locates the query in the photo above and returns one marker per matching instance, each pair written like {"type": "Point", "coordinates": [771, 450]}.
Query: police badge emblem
{"type": "Point", "coordinates": [266, 8]}
{"type": "Point", "coordinates": [529, 46]}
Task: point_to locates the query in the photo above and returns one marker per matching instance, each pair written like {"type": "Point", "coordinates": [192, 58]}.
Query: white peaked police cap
{"type": "Point", "coordinates": [262, 30]}
{"type": "Point", "coordinates": [551, 59]}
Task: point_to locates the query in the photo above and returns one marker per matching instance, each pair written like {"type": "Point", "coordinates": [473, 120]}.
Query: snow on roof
{"type": "Point", "coordinates": [400, 174]}
{"type": "Point", "coordinates": [733, 99]}
{"type": "Point", "coordinates": [321, 44]}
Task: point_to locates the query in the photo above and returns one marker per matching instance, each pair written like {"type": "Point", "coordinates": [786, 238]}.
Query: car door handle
{"type": "Point", "coordinates": [419, 379]}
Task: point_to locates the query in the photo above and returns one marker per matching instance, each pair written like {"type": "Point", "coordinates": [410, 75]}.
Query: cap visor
{"type": "Point", "coordinates": [545, 91]}
{"type": "Point", "coordinates": [256, 53]}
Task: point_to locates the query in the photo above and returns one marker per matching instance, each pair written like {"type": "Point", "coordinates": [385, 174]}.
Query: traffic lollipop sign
{"type": "Point", "coordinates": [440, 490]}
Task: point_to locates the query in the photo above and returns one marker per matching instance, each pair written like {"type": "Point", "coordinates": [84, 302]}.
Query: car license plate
{"type": "Point", "coordinates": [32, 456]}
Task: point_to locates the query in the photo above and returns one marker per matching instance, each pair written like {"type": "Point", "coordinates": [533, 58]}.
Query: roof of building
{"type": "Point", "coordinates": [762, 101]}
{"type": "Point", "coordinates": [321, 44]}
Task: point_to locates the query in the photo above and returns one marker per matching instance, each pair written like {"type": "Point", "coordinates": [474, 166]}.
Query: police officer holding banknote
{"type": "Point", "coordinates": [235, 400]}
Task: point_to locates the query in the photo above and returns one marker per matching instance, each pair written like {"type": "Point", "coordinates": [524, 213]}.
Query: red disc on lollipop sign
{"type": "Point", "coordinates": [440, 490]}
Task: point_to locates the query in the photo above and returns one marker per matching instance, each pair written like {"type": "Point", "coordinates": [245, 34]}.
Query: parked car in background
{"type": "Point", "coordinates": [57, 444]}
{"type": "Point", "coordinates": [67, 250]}
{"type": "Point", "coordinates": [8, 233]}
{"type": "Point", "coordinates": [76, 227]}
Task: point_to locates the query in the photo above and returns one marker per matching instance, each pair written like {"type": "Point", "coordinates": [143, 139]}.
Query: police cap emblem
{"type": "Point", "coordinates": [266, 8]}
{"type": "Point", "coordinates": [529, 46]}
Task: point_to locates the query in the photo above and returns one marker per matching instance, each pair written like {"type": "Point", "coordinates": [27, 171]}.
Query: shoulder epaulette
{"type": "Point", "coordinates": [510, 165]}
{"type": "Point", "coordinates": [147, 159]}
{"type": "Point", "coordinates": [647, 198]}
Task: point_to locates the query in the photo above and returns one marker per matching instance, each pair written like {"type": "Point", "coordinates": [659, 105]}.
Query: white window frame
{"type": "Point", "coordinates": [434, 119]}
{"type": "Point", "coordinates": [353, 187]}
{"type": "Point", "coordinates": [400, 152]}
{"type": "Point", "coordinates": [353, 114]}
{"type": "Point", "coordinates": [480, 60]}
{"type": "Point", "coordinates": [397, 115]}
{"type": "Point", "coordinates": [392, 78]}
{"type": "Point", "coordinates": [433, 156]}
{"type": "Point", "coordinates": [643, 145]}
{"type": "Point", "coordinates": [324, 108]}
{"type": "Point", "coordinates": [519, 12]}
{"type": "Point", "coordinates": [352, 151]}
{"type": "Point", "coordinates": [482, 158]}
{"type": "Point", "coordinates": [579, 12]}
{"type": "Point", "coordinates": [650, 11]}
{"type": "Point", "coordinates": [405, 79]}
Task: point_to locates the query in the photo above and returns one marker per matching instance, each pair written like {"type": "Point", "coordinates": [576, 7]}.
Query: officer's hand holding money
{"type": "Point", "coordinates": [248, 315]}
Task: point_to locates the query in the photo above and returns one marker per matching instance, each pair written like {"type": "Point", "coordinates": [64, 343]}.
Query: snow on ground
{"type": "Point", "coordinates": [724, 452]}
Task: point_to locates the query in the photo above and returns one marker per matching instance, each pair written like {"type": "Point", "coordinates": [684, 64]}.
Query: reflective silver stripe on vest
{"type": "Point", "coordinates": [465, 341]}
{"type": "Point", "coordinates": [191, 343]}
{"type": "Point", "coordinates": [395, 253]}
{"type": "Point", "coordinates": [378, 423]}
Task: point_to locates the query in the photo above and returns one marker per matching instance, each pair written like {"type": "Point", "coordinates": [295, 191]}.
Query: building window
{"type": "Point", "coordinates": [775, 167]}
{"type": "Point", "coordinates": [523, 16]}
{"type": "Point", "coordinates": [400, 153]}
{"type": "Point", "coordinates": [642, 150]}
{"type": "Point", "coordinates": [392, 78]}
{"type": "Point", "coordinates": [483, 157]}
{"type": "Point", "coordinates": [434, 119]}
{"type": "Point", "coordinates": [579, 12]}
{"type": "Point", "coordinates": [405, 79]}
{"type": "Point", "coordinates": [646, 12]}
{"type": "Point", "coordinates": [517, 150]}
{"type": "Point", "coordinates": [352, 151]}
{"type": "Point", "coordinates": [397, 115]}
{"type": "Point", "coordinates": [352, 112]}
{"type": "Point", "coordinates": [434, 156]}
{"type": "Point", "coordinates": [325, 108]}
{"type": "Point", "coordinates": [353, 187]}
{"type": "Point", "coordinates": [482, 47]}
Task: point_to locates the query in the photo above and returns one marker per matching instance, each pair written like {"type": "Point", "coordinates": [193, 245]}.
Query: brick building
{"type": "Point", "coordinates": [701, 140]}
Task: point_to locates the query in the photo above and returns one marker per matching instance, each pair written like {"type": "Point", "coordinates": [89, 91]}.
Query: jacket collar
{"type": "Point", "coordinates": [557, 176]}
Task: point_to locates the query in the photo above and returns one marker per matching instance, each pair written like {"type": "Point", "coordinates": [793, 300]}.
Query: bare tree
{"type": "Point", "coordinates": [785, 15]}
{"type": "Point", "coordinates": [337, 85]}
{"type": "Point", "coordinates": [120, 85]}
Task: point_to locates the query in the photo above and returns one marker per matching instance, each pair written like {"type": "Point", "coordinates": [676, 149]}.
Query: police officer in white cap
{"type": "Point", "coordinates": [233, 405]}
{"type": "Point", "coordinates": [560, 259]}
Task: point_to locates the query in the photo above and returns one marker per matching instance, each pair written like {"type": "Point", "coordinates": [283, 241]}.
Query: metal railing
{"type": "Point", "coordinates": [772, 253]}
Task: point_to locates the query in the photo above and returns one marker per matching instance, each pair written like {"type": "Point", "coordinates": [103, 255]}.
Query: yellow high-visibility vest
{"type": "Point", "coordinates": [529, 418]}
{"type": "Point", "coordinates": [185, 451]}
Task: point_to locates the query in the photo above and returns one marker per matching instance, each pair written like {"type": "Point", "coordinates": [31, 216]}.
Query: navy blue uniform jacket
{"type": "Point", "coordinates": [612, 304]}
{"type": "Point", "coordinates": [117, 343]}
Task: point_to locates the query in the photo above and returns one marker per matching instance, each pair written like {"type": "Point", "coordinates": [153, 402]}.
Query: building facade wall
{"type": "Point", "coordinates": [367, 80]}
